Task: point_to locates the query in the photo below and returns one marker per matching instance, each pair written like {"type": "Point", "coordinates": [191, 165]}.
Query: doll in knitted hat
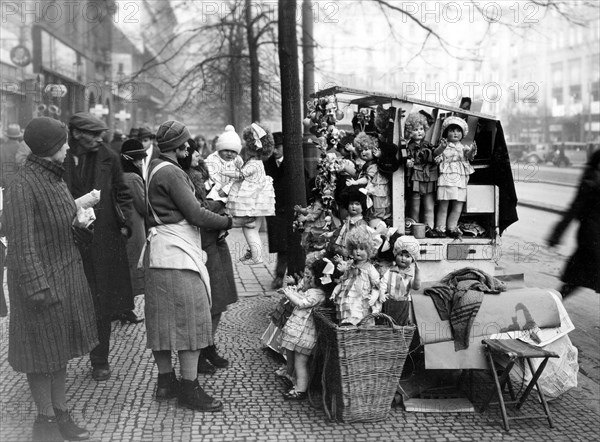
{"type": "Point", "coordinates": [223, 164]}
{"type": "Point", "coordinates": [455, 167]}
{"type": "Point", "coordinates": [252, 195]}
{"type": "Point", "coordinates": [398, 281]}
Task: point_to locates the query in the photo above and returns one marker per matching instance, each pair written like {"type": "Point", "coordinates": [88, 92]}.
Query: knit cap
{"type": "Point", "coordinates": [408, 243]}
{"type": "Point", "coordinates": [45, 136]}
{"type": "Point", "coordinates": [171, 135]}
{"type": "Point", "coordinates": [229, 140]}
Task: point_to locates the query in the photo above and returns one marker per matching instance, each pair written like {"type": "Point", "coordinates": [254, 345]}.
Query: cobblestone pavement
{"type": "Point", "coordinates": [123, 407]}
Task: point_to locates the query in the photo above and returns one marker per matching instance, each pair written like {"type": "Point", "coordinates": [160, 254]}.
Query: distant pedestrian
{"type": "Point", "coordinates": [218, 258]}
{"type": "Point", "coordinates": [91, 165]}
{"type": "Point", "coordinates": [583, 268]}
{"type": "Point", "coordinates": [117, 141]}
{"type": "Point", "coordinates": [177, 287]}
{"type": "Point", "coordinates": [147, 138]}
{"type": "Point", "coordinates": [52, 313]}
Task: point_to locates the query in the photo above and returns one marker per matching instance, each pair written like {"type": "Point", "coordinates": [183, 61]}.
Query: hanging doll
{"type": "Point", "coordinates": [376, 183]}
{"type": "Point", "coordinates": [398, 281]}
{"type": "Point", "coordinates": [312, 221]}
{"type": "Point", "coordinates": [252, 195]}
{"type": "Point", "coordinates": [455, 168]}
{"type": "Point", "coordinates": [423, 169]}
{"type": "Point", "coordinates": [357, 293]}
{"type": "Point", "coordinates": [355, 203]}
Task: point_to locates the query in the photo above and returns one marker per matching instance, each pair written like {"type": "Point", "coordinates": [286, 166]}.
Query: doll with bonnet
{"type": "Point", "coordinates": [252, 195]}
{"type": "Point", "coordinates": [455, 168]}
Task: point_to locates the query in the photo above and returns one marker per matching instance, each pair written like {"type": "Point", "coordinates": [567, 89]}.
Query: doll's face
{"type": "Point", "coordinates": [454, 134]}
{"type": "Point", "coordinates": [228, 155]}
{"type": "Point", "coordinates": [309, 277]}
{"type": "Point", "coordinates": [359, 255]}
{"type": "Point", "coordinates": [418, 133]}
{"type": "Point", "coordinates": [354, 208]}
{"type": "Point", "coordinates": [403, 259]}
{"type": "Point", "coordinates": [366, 154]}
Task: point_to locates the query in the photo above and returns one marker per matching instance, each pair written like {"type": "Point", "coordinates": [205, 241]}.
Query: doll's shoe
{"type": "Point", "coordinates": [294, 395]}
{"type": "Point", "coordinates": [429, 232]}
{"type": "Point", "coordinates": [455, 233]}
{"type": "Point", "coordinates": [437, 233]}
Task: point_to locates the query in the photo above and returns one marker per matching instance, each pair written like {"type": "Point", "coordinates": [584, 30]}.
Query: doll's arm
{"type": "Point", "coordinates": [311, 298]}
{"type": "Point", "coordinates": [363, 181]}
{"type": "Point", "coordinates": [383, 287]}
{"type": "Point", "coordinates": [233, 174]}
{"type": "Point", "coordinates": [441, 148]}
{"type": "Point", "coordinates": [336, 292]}
{"type": "Point", "coordinates": [471, 152]}
{"type": "Point", "coordinates": [374, 280]}
{"type": "Point", "coordinates": [416, 281]}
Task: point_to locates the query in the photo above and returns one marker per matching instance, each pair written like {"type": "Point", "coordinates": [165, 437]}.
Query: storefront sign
{"type": "Point", "coordinates": [55, 90]}
{"type": "Point", "coordinates": [20, 56]}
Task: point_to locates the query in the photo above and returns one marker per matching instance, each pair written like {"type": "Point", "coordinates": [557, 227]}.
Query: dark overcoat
{"type": "Point", "coordinates": [43, 257]}
{"type": "Point", "coordinates": [105, 261]}
{"type": "Point", "coordinates": [276, 225]}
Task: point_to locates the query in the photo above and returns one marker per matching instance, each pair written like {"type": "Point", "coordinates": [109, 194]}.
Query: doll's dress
{"type": "Point", "coordinates": [379, 190]}
{"type": "Point", "coordinates": [314, 227]}
{"type": "Point", "coordinates": [338, 241]}
{"type": "Point", "coordinates": [424, 173]}
{"type": "Point", "coordinates": [398, 305]}
{"type": "Point", "coordinates": [299, 332]}
{"type": "Point", "coordinates": [353, 292]}
{"type": "Point", "coordinates": [254, 195]}
{"type": "Point", "coordinates": [454, 173]}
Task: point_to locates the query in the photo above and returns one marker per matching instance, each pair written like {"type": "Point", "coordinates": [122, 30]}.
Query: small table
{"type": "Point", "coordinates": [515, 350]}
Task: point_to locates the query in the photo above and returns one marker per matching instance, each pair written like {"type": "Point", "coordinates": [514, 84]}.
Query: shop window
{"type": "Point", "coordinates": [575, 93]}
{"type": "Point", "coordinates": [557, 96]}
{"type": "Point", "coordinates": [557, 73]}
{"type": "Point", "coordinates": [595, 90]}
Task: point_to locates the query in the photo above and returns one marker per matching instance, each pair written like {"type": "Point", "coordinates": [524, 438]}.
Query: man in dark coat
{"type": "Point", "coordinates": [276, 225]}
{"type": "Point", "coordinates": [91, 165]}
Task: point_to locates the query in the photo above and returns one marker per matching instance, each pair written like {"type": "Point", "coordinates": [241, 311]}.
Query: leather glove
{"type": "Point", "coordinates": [40, 300]}
{"type": "Point", "coordinates": [83, 237]}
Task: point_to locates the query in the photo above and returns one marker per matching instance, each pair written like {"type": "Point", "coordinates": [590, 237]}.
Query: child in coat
{"type": "Point", "coordinates": [299, 332]}
{"type": "Point", "coordinates": [222, 165]}
{"type": "Point", "coordinates": [252, 195]}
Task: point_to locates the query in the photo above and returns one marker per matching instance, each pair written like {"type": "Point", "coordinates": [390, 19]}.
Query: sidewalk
{"type": "Point", "coordinates": [122, 409]}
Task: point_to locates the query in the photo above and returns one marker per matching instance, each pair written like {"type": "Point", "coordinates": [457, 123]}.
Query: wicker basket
{"type": "Point", "coordinates": [361, 366]}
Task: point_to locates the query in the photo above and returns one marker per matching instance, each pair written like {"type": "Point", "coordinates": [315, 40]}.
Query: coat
{"type": "Point", "coordinates": [277, 225]}
{"type": "Point", "coordinates": [42, 256]}
{"type": "Point", "coordinates": [136, 224]}
{"type": "Point", "coordinates": [105, 262]}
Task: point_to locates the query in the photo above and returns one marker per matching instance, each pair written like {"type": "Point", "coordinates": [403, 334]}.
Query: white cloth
{"type": "Point", "coordinates": [216, 166]}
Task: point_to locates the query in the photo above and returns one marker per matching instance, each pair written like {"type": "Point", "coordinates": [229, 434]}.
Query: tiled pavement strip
{"type": "Point", "coordinates": [122, 409]}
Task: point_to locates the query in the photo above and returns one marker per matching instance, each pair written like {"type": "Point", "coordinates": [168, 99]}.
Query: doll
{"type": "Point", "coordinates": [376, 183]}
{"type": "Point", "coordinates": [299, 332]}
{"type": "Point", "coordinates": [355, 203]}
{"type": "Point", "coordinates": [455, 168]}
{"type": "Point", "coordinates": [423, 173]}
{"type": "Point", "coordinates": [252, 194]}
{"type": "Point", "coordinates": [312, 221]}
{"type": "Point", "coordinates": [397, 282]}
{"type": "Point", "coordinates": [357, 293]}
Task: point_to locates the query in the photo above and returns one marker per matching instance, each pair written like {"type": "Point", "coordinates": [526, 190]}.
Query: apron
{"type": "Point", "coordinates": [175, 246]}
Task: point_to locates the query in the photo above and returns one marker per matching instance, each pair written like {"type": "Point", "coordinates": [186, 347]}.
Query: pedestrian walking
{"type": "Point", "coordinates": [218, 258]}
{"type": "Point", "coordinates": [177, 282]}
{"type": "Point", "coordinates": [91, 165]}
{"type": "Point", "coordinates": [52, 313]}
{"type": "Point", "coordinates": [583, 268]}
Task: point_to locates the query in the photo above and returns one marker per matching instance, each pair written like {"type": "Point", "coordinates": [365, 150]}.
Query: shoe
{"type": "Point", "coordinates": [430, 233]}
{"type": "Point", "coordinates": [438, 233]}
{"type": "Point", "coordinates": [251, 261]}
{"type": "Point", "coordinates": [294, 395]}
{"type": "Point", "coordinates": [277, 283]}
{"type": "Point", "coordinates": [455, 233]}
{"type": "Point", "coordinates": [100, 374]}
{"type": "Point", "coordinates": [213, 357]}
{"type": "Point", "coordinates": [68, 428]}
{"type": "Point", "coordinates": [205, 367]}
{"type": "Point", "coordinates": [131, 317]}
{"type": "Point", "coordinates": [45, 429]}
{"type": "Point", "coordinates": [167, 386]}
{"type": "Point", "coordinates": [192, 396]}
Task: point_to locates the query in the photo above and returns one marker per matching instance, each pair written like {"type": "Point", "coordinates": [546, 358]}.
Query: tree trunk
{"type": "Point", "coordinates": [291, 116]}
{"type": "Point", "coordinates": [254, 63]}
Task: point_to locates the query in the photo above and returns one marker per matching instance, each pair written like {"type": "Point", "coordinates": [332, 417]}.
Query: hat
{"type": "Point", "coordinates": [117, 135]}
{"type": "Point", "coordinates": [14, 131]}
{"type": "Point", "coordinates": [87, 122]}
{"type": "Point", "coordinates": [278, 138]}
{"type": "Point", "coordinates": [171, 135]}
{"type": "Point", "coordinates": [45, 136]}
{"type": "Point", "coordinates": [229, 140]}
{"type": "Point", "coordinates": [144, 132]}
{"type": "Point", "coordinates": [133, 132]}
{"type": "Point", "coordinates": [133, 150]}
{"type": "Point", "coordinates": [456, 121]}
{"type": "Point", "coordinates": [408, 243]}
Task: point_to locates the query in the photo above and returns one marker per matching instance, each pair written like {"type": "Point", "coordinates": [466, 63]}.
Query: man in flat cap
{"type": "Point", "coordinates": [89, 165]}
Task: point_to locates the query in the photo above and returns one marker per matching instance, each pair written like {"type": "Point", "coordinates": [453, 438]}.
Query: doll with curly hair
{"type": "Point", "coordinates": [252, 194]}
{"type": "Point", "coordinates": [423, 174]}
{"type": "Point", "coordinates": [358, 289]}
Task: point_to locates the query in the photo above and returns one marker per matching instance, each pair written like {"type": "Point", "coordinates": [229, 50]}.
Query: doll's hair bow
{"type": "Point", "coordinates": [258, 133]}
{"type": "Point", "coordinates": [327, 272]}
{"type": "Point", "coordinates": [369, 200]}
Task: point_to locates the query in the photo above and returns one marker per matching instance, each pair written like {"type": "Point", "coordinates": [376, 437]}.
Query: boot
{"type": "Point", "coordinates": [205, 367]}
{"type": "Point", "coordinates": [213, 357]}
{"type": "Point", "coordinates": [45, 429]}
{"type": "Point", "coordinates": [194, 397]}
{"type": "Point", "coordinates": [67, 427]}
{"type": "Point", "coordinates": [167, 386]}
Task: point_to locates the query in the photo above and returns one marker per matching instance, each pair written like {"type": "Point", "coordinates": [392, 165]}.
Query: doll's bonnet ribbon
{"type": "Point", "coordinates": [258, 133]}
{"type": "Point", "coordinates": [369, 200]}
{"type": "Point", "coordinates": [327, 272]}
